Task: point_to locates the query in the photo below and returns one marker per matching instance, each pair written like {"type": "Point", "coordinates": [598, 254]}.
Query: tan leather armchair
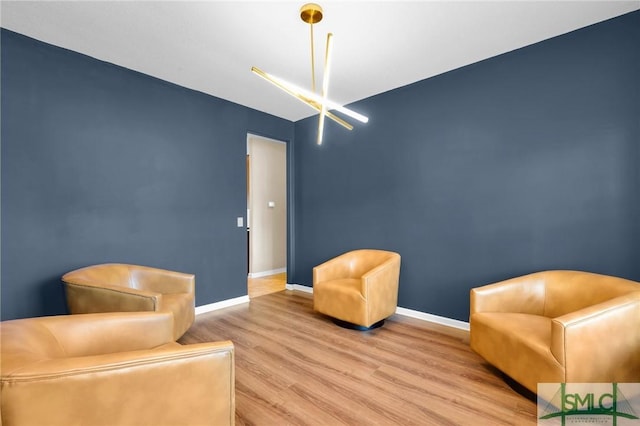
{"type": "Point", "coordinates": [358, 288]}
{"type": "Point", "coordinates": [112, 369]}
{"type": "Point", "coordinates": [559, 326]}
{"type": "Point", "coordinates": [116, 287]}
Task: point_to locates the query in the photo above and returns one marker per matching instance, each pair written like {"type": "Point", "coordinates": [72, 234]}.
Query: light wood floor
{"type": "Point", "coordinates": [266, 285]}
{"type": "Point", "coordinates": [295, 367]}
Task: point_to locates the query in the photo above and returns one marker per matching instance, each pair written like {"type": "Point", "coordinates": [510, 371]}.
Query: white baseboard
{"type": "Point", "coordinates": [298, 287]}
{"type": "Point", "coordinates": [222, 304]}
{"type": "Point", "coordinates": [267, 273]}
{"type": "Point", "coordinates": [449, 322]}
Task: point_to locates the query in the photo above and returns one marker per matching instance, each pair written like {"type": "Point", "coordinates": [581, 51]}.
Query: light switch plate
{"type": "Point", "coordinates": [240, 222]}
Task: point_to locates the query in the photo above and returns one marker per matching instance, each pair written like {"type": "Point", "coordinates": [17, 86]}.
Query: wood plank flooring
{"type": "Point", "coordinates": [266, 285]}
{"type": "Point", "coordinates": [295, 367]}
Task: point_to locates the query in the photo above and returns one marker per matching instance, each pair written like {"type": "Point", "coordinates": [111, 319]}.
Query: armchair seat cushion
{"type": "Point", "coordinates": [517, 343]}
{"type": "Point", "coordinates": [341, 297]}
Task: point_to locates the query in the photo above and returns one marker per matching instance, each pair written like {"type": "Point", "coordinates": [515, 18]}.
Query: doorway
{"type": "Point", "coordinates": [266, 215]}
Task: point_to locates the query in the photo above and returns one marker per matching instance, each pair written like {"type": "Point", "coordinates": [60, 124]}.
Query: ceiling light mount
{"type": "Point", "coordinates": [311, 13]}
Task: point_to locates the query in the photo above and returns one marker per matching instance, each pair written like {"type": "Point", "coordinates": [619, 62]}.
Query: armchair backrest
{"type": "Point", "coordinates": [160, 280]}
{"type": "Point", "coordinates": [31, 340]}
{"type": "Point", "coordinates": [570, 291]}
{"type": "Point", "coordinates": [133, 276]}
{"type": "Point", "coordinates": [549, 293]}
{"type": "Point", "coordinates": [362, 261]}
{"type": "Point", "coordinates": [78, 334]}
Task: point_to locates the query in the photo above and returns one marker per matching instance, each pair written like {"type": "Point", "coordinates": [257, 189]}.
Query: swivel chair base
{"type": "Point", "coordinates": [351, 326]}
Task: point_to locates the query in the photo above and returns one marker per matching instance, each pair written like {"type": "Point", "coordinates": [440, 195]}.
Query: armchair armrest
{"type": "Point", "coordinates": [518, 295]}
{"type": "Point", "coordinates": [89, 298]}
{"type": "Point", "coordinates": [382, 280]}
{"type": "Point", "coordinates": [380, 288]}
{"type": "Point", "coordinates": [602, 340]}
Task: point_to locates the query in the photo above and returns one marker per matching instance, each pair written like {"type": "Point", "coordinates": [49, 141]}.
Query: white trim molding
{"type": "Point", "coordinates": [267, 273]}
{"type": "Point", "coordinates": [449, 322]}
{"type": "Point", "coordinates": [299, 287]}
{"type": "Point", "coordinates": [222, 304]}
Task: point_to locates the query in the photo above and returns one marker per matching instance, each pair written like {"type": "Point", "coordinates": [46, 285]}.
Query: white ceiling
{"type": "Point", "coordinates": [210, 46]}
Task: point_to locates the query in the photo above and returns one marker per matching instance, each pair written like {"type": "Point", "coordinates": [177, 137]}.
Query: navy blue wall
{"type": "Point", "coordinates": [103, 164]}
{"type": "Point", "coordinates": [524, 162]}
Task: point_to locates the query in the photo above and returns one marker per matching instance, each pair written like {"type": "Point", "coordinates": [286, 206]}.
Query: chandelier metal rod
{"type": "Point", "coordinates": [325, 86]}
{"type": "Point", "coordinates": [313, 62]}
{"type": "Point", "coordinates": [295, 92]}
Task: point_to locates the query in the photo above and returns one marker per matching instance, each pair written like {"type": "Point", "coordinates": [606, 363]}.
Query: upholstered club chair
{"type": "Point", "coordinates": [559, 326]}
{"type": "Point", "coordinates": [116, 287]}
{"type": "Point", "coordinates": [112, 369]}
{"type": "Point", "coordinates": [359, 289]}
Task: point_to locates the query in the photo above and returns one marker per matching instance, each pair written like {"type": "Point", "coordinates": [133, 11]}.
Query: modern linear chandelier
{"type": "Point", "coordinates": [311, 13]}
